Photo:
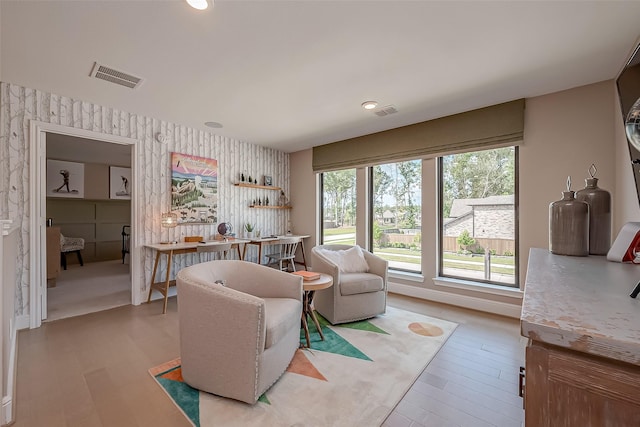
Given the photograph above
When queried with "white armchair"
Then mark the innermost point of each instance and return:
(357, 293)
(237, 337)
(70, 244)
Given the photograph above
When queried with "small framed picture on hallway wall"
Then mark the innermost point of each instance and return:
(119, 183)
(65, 179)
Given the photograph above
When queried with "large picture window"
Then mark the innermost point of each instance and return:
(397, 214)
(339, 207)
(478, 223)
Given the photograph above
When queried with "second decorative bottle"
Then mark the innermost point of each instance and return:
(599, 201)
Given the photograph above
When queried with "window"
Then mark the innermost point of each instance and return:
(397, 214)
(339, 207)
(478, 223)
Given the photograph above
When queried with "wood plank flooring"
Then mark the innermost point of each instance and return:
(92, 371)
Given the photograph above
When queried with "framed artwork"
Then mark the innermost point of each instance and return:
(119, 183)
(268, 181)
(194, 189)
(65, 179)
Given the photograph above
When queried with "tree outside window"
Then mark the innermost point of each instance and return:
(397, 214)
(339, 207)
(478, 234)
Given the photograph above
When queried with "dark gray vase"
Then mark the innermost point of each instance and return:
(569, 226)
(599, 201)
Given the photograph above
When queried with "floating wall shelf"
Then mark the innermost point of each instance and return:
(265, 187)
(269, 207)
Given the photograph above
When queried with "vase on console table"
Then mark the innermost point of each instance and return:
(569, 225)
(599, 201)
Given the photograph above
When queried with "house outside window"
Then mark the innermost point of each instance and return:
(397, 214)
(478, 231)
(339, 207)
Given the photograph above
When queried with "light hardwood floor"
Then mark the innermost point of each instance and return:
(92, 371)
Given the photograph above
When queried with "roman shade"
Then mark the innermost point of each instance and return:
(488, 127)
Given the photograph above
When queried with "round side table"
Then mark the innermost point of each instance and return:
(310, 287)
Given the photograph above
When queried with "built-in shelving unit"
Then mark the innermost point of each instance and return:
(264, 187)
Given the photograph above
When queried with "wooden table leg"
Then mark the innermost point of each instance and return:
(153, 275)
(305, 325)
(313, 314)
(166, 283)
(304, 256)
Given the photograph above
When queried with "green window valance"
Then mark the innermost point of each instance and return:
(488, 127)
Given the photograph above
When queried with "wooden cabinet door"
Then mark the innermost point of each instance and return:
(567, 388)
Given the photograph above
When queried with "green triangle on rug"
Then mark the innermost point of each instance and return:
(333, 342)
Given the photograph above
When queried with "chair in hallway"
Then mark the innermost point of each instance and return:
(126, 234)
(287, 253)
(70, 244)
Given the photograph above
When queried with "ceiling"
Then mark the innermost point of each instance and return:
(292, 74)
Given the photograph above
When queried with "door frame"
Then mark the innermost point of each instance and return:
(37, 212)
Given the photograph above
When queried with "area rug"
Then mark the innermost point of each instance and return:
(355, 377)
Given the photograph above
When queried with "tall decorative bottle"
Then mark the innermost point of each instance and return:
(599, 201)
(569, 225)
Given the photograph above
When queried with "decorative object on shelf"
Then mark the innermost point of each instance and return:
(249, 230)
(255, 181)
(266, 201)
(119, 183)
(283, 200)
(194, 189)
(250, 180)
(268, 181)
(225, 229)
(569, 225)
(242, 177)
(599, 201)
(65, 179)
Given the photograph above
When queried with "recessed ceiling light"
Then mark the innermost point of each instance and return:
(198, 4)
(213, 124)
(369, 105)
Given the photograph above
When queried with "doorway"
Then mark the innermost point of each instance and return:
(95, 277)
(103, 281)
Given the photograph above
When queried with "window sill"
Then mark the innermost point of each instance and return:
(486, 288)
(405, 275)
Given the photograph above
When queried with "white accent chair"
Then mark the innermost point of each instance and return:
(354, 295)
(237, 336)
(286, 253)
(70, 244)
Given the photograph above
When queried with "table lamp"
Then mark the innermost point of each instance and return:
(169, 220)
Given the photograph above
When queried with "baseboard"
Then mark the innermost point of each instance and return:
(22, 322)
(6, 417)
(474, 303)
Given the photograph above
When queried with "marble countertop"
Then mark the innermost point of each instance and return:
(583, 304)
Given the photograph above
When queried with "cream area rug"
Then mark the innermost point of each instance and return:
(355, 377)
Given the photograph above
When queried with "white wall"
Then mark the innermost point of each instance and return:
(564, 133)
(19, 105)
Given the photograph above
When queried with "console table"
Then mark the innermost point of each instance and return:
(171, 249)
(583, 357)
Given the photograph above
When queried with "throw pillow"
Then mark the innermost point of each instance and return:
(348, 261)
(353, 261)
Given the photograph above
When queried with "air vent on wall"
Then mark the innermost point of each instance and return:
(115, 76)
(385, 111)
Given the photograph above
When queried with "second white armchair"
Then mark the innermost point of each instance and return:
(359, 288)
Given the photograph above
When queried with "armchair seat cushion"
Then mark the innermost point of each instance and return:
(360, 283)
(280, 313)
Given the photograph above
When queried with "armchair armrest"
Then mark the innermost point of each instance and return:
(321, 264)
(377, 265)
